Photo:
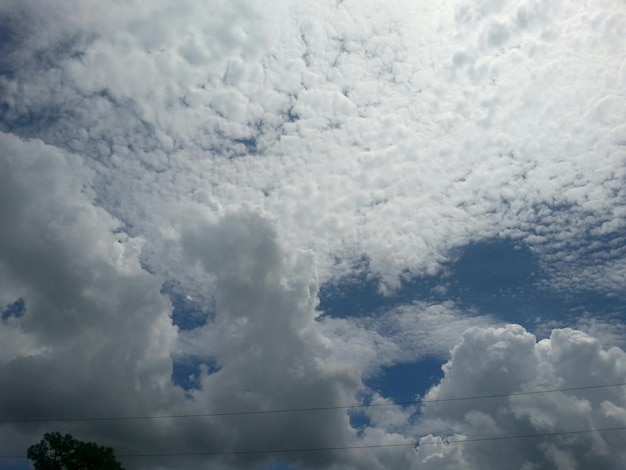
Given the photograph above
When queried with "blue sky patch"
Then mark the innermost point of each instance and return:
(403, 382)
(497, 277)
(186, 371)
(16, 309)
(360, 296)
(187, 313)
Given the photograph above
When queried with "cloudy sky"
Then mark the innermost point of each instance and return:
(226, 224)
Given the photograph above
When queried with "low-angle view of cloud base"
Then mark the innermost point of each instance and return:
(297, 235)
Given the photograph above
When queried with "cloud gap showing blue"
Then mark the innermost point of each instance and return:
(16, 310)
(186, 371)
(360, 296)
(498, 277)
(187, 312)
(404, 382)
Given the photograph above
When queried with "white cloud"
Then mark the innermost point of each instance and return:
(404, 145)
(508, 360)
(404, 334)
(95, 328)
(248, 155)
(101, 334)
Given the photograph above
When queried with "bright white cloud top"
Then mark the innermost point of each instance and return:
(214, 207)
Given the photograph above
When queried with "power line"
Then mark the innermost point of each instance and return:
(368, 446)
(293, 410)
(377, 446)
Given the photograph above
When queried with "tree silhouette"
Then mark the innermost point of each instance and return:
(58, 452)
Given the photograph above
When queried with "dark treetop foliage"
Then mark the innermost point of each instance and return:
(58, 452)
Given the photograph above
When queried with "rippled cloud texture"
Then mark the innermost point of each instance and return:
(199, 198)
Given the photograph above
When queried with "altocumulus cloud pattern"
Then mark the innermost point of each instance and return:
(211, 207)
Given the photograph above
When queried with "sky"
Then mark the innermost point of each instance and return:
(298, 235)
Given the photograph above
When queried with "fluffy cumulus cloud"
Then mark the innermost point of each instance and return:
(183, 183)
(509, 362)
(93, 327)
